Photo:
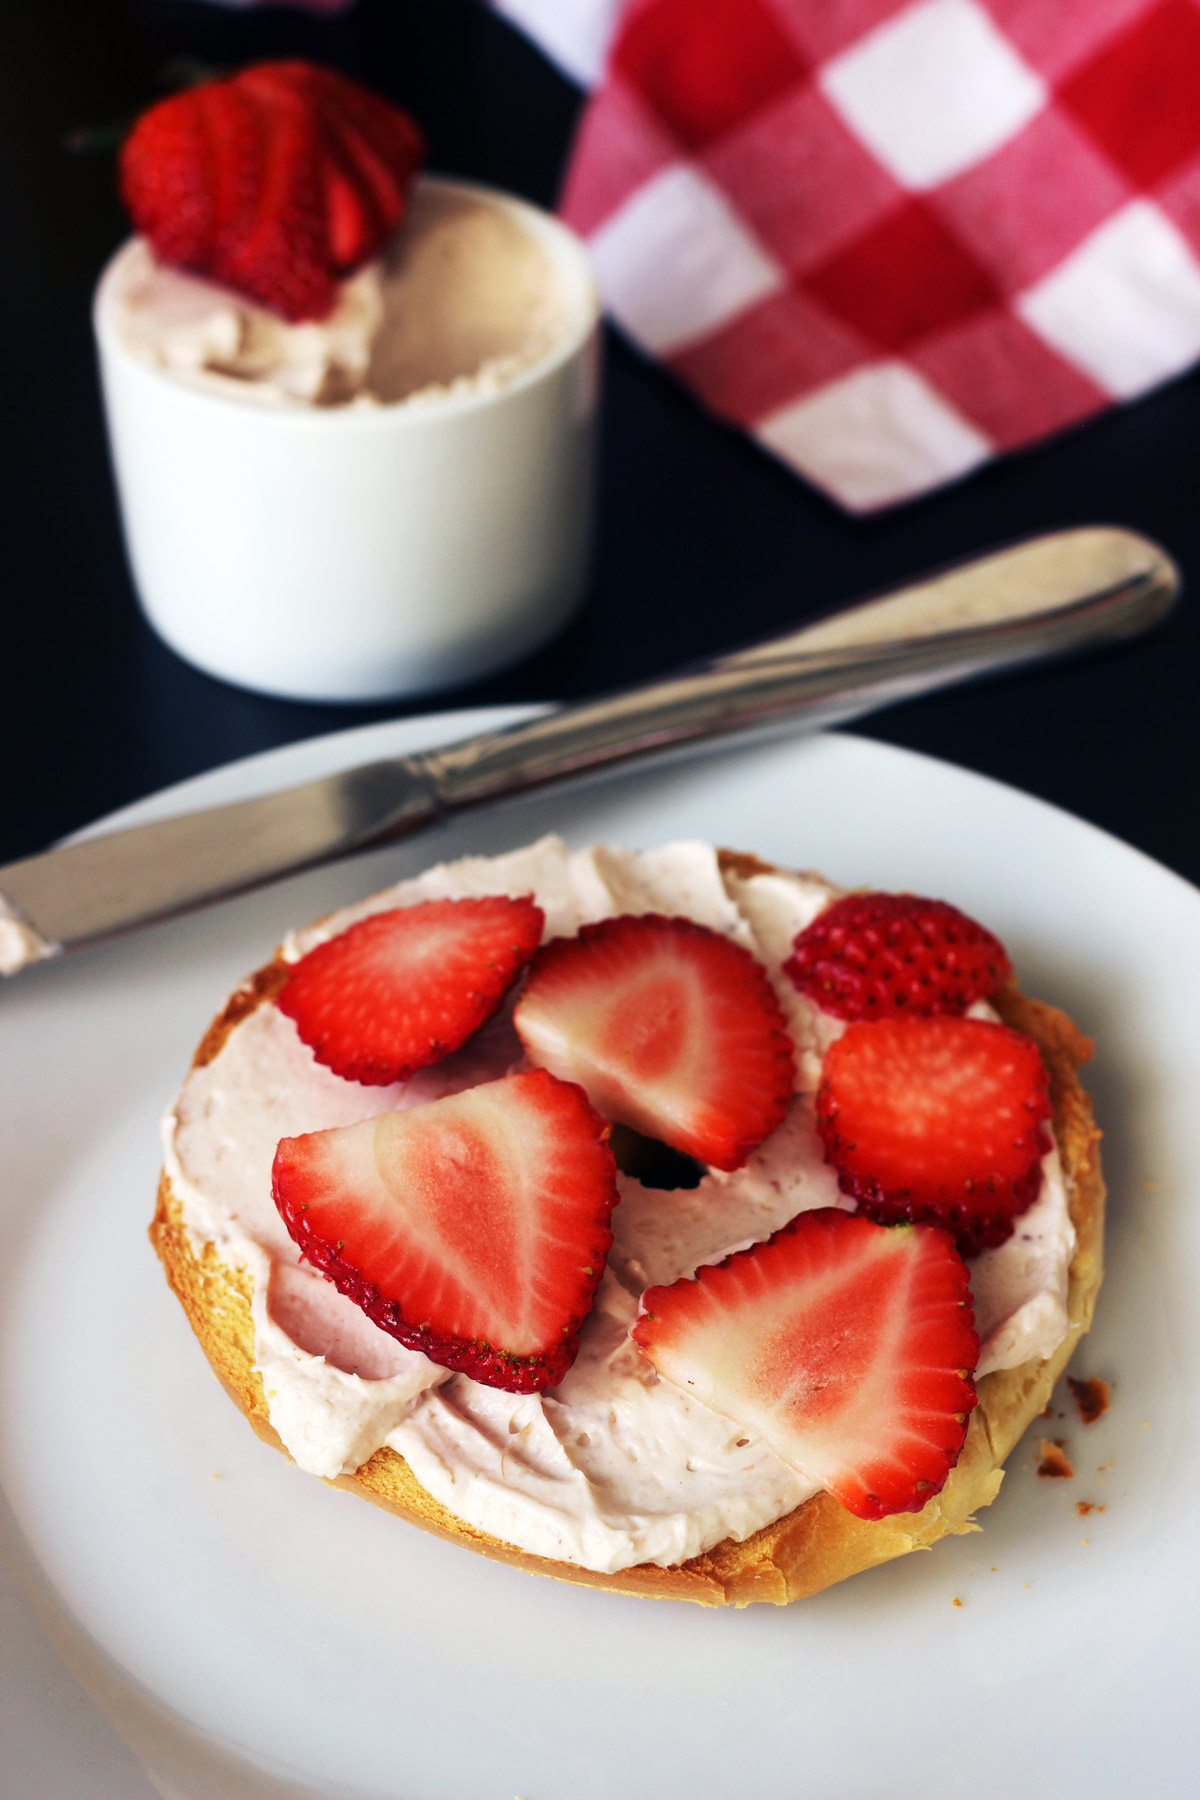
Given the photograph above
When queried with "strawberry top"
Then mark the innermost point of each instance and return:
(869, 956)
(279, 181)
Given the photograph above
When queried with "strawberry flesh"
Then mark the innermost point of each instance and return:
(869, 956)
(848, 1347)
(937, 1119)
(669, 1027)
(474, 1229)
(279, 181)
(399, 990)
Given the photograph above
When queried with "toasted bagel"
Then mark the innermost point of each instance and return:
(811, 1547)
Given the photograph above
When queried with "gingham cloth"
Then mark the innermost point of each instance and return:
(892, 238)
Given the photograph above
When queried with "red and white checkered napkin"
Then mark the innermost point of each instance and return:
(892, 237)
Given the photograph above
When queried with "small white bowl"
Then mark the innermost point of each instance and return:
(355, 554)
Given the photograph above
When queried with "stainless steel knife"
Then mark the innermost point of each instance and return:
(1040, 598)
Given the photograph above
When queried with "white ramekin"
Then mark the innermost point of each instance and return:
(360, 553)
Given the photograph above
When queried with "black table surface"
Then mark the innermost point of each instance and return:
(704, 541)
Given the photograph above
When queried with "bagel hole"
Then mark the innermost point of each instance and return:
(654, 1164)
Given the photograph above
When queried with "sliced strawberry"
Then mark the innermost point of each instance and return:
(402, 989)
(168, 181)
(848, 1347)
(351, 214)
(277, 182)
(373, 148)
(939, 1119)
(235, 146)
(283, 257)
(869, 956)
(373, 171)
(474, 1229)
(670, 1028)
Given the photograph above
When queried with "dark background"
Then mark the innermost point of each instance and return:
(704, 541)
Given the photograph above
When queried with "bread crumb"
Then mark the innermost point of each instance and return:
(1054, 1461)
(956, 1601)
(1091, 1397)
(1084, 1507)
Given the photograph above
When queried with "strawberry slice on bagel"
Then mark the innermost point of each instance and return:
(937, 1119)
(669, 1027)
(401, 989)
(474, 1229)
(848, 1346)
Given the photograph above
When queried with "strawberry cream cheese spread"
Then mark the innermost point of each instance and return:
(287, 255)
(613, 1466)
(462, 299)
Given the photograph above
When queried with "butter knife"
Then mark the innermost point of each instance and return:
(1039, 598)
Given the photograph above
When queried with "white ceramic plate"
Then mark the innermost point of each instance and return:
(212, 1585)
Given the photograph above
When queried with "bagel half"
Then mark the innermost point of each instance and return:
(818, 1543)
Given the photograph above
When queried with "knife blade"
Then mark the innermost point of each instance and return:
(1035, 599)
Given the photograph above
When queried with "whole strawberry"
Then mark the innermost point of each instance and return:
(869, 956)
(279, 181)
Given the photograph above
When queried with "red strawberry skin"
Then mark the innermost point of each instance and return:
(399, 990)
(869, 956)
(848, 1347)
(669, 1027)
(474, 1229)
(937, 1119)
(278, 182)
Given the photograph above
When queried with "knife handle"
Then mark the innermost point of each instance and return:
(1042, 597)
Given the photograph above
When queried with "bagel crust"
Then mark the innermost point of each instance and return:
(810, 1548)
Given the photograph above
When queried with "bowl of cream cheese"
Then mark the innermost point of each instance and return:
(391, 500)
